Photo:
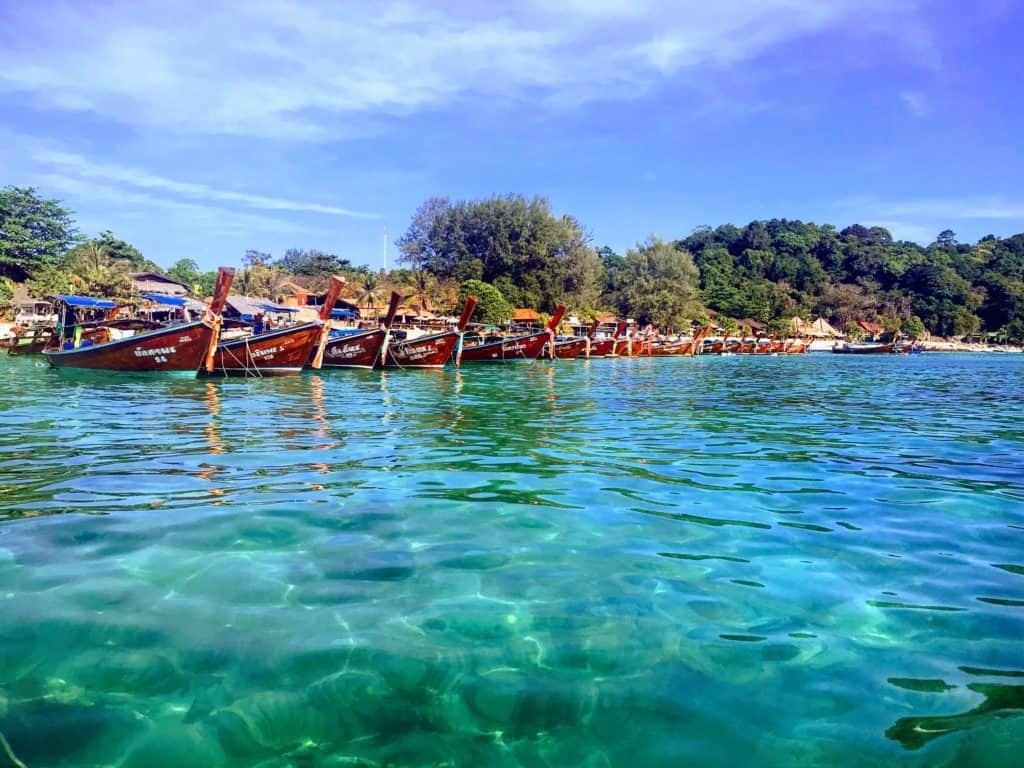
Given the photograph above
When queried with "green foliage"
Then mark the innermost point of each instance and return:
(119, 250)
(662, 285)
(34, 231)
(94, 273)
(6, 290)
(1014, 330)
(541, 260)
(187, 271)
(770, 269)
(491, 307)
(49, 280)
(913, 326)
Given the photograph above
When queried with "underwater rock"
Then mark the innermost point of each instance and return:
(173, 745)
(270, 721)
(362, 703)
(42, 733)
(139, 672)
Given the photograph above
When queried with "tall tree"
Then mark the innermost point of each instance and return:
(663, 285)
(34, 231)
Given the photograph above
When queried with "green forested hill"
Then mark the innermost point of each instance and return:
(771, 269)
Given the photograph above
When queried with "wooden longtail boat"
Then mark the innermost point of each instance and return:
(524, 348)
(360, 350)
(30, 341)
(605, 347)
(570, 349)
(862, 348)
(177, 348)
(283, 352)
(430, 351)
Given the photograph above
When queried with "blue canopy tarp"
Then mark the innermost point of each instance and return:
(341, 313)
(159, 298)
(85, 301)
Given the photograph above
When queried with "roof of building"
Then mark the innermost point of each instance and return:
(822, 327)
(870, 327)
(154, 276)
(525, 315)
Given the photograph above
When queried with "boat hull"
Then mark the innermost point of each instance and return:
(178, 349)
(30, 342)
(359, 350)
(671, 350)
(570, 350)
(602, 347)
(518, 349)
(425, 352)
(863, 349)
(278, 353)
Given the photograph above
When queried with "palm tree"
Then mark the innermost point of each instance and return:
(372, 288)
(93, 271)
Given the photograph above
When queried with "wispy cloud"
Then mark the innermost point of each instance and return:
(111, 174)
(920, 219)
(916, 102)
(904, 230)
(973, 208)
(285, 69)
(121, 203)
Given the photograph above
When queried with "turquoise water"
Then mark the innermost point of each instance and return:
(720, 561)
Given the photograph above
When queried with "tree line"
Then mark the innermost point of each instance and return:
(513, 251)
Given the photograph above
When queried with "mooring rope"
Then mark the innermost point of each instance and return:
(10, 752)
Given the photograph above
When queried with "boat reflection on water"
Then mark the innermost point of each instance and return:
(215, 443)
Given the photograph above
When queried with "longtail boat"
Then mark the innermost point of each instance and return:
(430, 351)
(627, 346)
(605, 346)
(749, 346)
(523, 348)
(362, 349)
(283, 352)
(862, 348)
(676, 348)
(176, 348)
(30, 341)
(570, 349)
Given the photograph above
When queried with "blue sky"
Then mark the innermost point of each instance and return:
(201, 129)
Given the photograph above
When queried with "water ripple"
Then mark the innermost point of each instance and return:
(612, 562)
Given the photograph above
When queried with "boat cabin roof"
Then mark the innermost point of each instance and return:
(84, 301)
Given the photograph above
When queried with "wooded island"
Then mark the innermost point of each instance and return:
(512, 251)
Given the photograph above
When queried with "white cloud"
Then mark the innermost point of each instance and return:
(967, 208)
(132, 177)
(916, 102)
(903, 230)
(920, 219)
(126, 204)
(284, 69)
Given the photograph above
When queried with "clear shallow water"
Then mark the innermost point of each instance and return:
(721, 561)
